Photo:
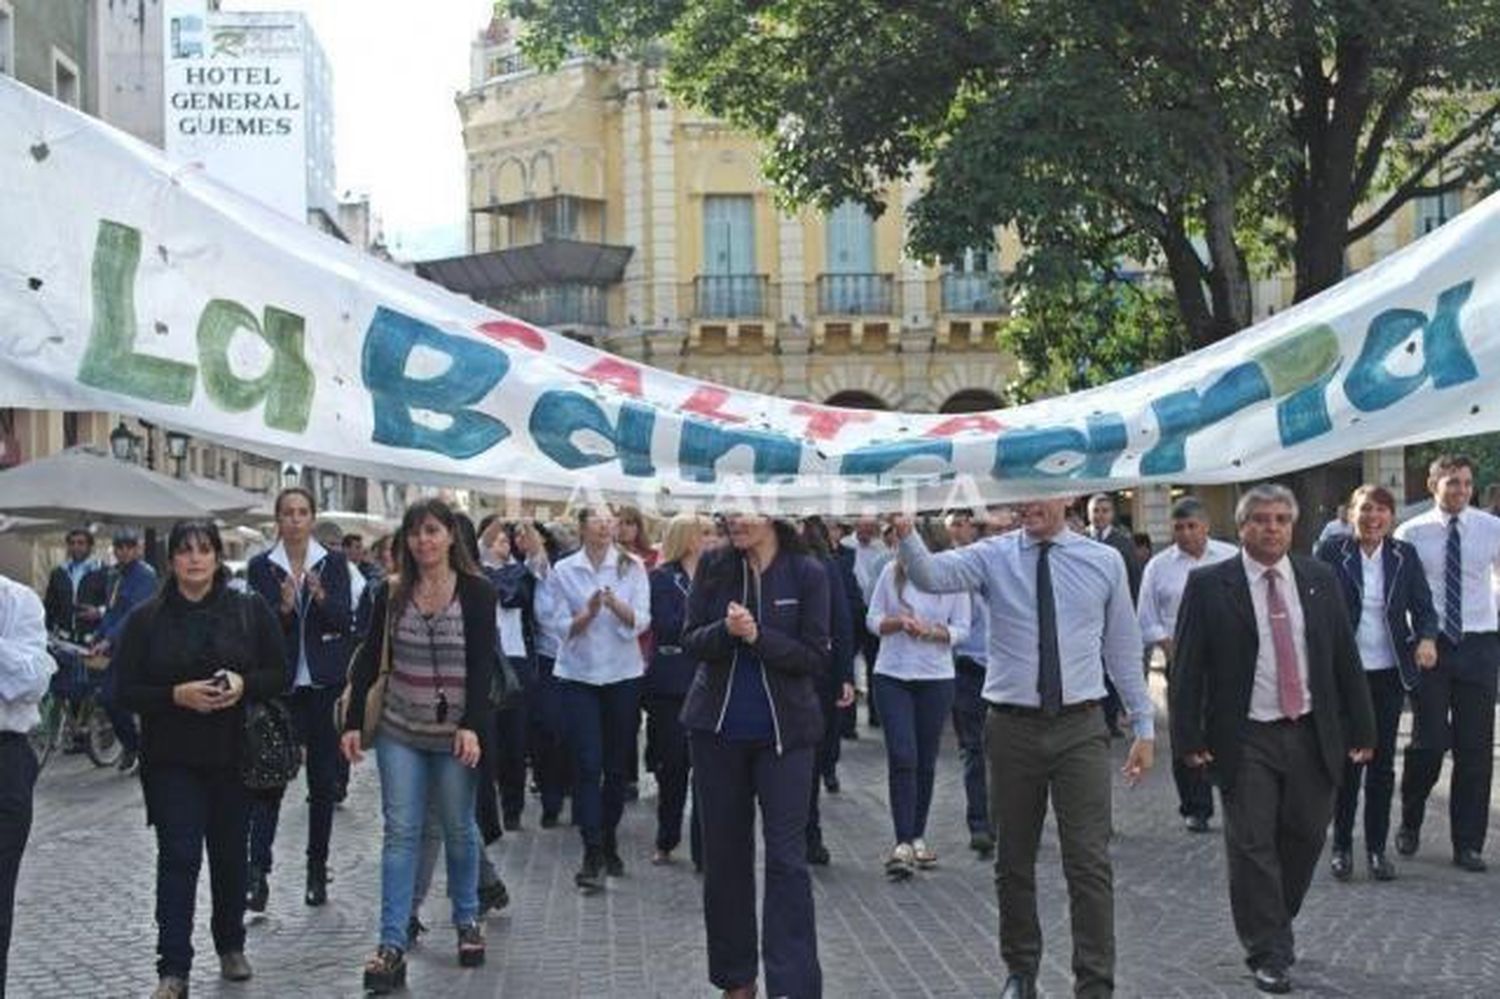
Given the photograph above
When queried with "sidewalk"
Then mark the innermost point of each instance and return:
(84, 924)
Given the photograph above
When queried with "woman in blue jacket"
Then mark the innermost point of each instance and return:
(669, 673)
(758, 625)
(313, 594)
(1395, 626)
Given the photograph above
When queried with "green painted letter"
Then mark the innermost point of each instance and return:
(110, 362)
(286, 385)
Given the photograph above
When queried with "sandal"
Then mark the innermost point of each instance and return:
(470, 946)
(386, 971)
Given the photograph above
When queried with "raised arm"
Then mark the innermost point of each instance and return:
(956, 571)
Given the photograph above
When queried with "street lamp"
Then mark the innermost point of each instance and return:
(121, 442)
(177, 449)
(291, 475)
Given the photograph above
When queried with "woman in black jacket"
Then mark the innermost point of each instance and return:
(188, 660)
(758, 623)
(438, 616)
(1395, 625)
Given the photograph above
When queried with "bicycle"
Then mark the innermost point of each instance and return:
(71, 710)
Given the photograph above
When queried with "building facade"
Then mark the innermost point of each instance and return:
(600, 208)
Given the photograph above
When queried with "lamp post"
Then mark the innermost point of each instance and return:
(149, 428)
(177, 450)
(122, 442)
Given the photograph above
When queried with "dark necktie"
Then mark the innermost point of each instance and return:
(1288, 676)
(1049, 659)
(1453, 586)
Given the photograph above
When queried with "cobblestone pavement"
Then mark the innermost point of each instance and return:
(84, 923)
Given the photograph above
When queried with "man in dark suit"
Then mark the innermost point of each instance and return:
(1103, 529)
(1270, 696)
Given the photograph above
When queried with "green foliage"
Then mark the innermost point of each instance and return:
(1482, 449)
(1208, 140)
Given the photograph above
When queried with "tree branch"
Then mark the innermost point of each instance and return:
(1413, 187)
(1413, 72)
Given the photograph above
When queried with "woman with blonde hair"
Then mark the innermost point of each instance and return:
(598, 602)
(669, 673)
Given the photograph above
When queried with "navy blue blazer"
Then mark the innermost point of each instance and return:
(670, 672)
(325, 628)
(1409, 611)
(841, 624)
(515, 589)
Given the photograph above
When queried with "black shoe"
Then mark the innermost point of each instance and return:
(1341, 863)
(317, 883)
(817, 854)
(1469, 860)
(340, 792)
(549, 820)
(982, 843)
(414, 931)
(613, 865)
(257, 891)
(386, 971)
(1407, 840)
(493, 897)
(1381, 868)
(874, 721)
(470, 946)
(1195, 823)
(852, 735)
(1274, 980)
(632, 791)
(513, 823)
(831, 784)
(1019, 987)
(130, 762)
(590, 876)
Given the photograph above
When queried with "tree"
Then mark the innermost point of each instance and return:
(1211, 139)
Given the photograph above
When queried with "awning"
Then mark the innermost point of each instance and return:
(557, 261)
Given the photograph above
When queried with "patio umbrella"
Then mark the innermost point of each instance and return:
(81, 484)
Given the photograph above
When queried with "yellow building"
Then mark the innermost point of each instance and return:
(600, 208)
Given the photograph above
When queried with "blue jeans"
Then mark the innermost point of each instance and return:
(602, 721)
(968, 724)
(407, 777)
(912, 713)
(729, 778)
(192, 809)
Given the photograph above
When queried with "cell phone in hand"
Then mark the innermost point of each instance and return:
(220, 679)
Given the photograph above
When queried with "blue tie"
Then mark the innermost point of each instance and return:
(1453, 586)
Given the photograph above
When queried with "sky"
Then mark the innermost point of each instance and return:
(396, 67)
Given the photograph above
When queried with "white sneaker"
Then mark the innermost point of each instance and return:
(923, 855)
(901, 863)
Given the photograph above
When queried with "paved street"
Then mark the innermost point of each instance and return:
(85, 927)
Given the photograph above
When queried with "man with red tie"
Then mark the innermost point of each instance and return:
(1269, 696)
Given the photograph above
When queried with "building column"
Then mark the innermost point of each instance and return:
(662, 172)
(792, 248)
(913, 276)
(1151, 511)
(1387, 467)
(633, 212)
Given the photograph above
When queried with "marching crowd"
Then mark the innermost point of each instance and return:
(481, 662)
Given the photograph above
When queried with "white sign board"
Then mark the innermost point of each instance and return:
(235, 102)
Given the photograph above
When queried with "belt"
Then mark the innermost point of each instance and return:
(1026, 711)
(1284, 722)
(669, 650)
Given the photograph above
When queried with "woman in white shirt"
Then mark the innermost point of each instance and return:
(598, 602)
(913, 694)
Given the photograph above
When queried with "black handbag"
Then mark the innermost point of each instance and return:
(270, 756)
(505, 686)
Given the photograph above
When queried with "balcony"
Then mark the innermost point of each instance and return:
(973, 294)
(856, 295)
(732, 296)
(562, 305)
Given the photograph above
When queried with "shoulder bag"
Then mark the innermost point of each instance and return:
(375, 695)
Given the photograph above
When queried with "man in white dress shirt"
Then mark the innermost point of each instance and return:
(1162, 584)
(1454, 706)
(25, 668)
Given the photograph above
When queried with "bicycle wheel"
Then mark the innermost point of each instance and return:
(47, 734)
(100, 741)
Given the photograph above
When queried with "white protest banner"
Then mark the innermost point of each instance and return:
(131, 284)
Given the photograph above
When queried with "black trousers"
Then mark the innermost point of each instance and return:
(1275, 819)
(18, 770)
(191, 809)
(312, 716)
(1195, 792)
(1454, 708)
(671, 766)
(730, 778)
(1378, 776)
